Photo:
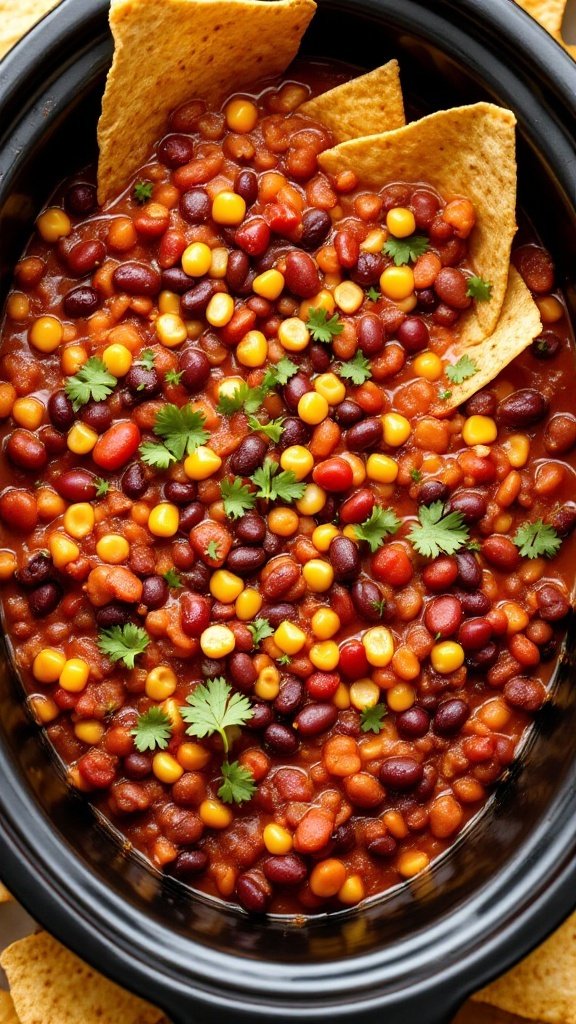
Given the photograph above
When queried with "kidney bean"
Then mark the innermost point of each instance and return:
(345, 559)
(193, 302)
(179, 493)
(424, 206)
(443, 615)
(347, 413)
(97, 415)
(26, 450)
(245, 561)
(60, 410)
(248, 456)
(315, 719)
(451, 286)
(133, 481)
(483, 403)
(81, 199)
(441, 573)
(279, 577)
(143, 383)
(294, 432)
(114, 448)
(536, 267)
(54, 441)
(347, 248)
(252, 894)
(237, 270)
(473, 602)
(500, 552)
(319, 357)
(432, 490)
(333, 474)
(253, 236)
(563, 518)
(366, 434)
(281, 739)
(472, 505)
(560, 434)
(553, 605)
(112, 614)
(297, 386)
(44, 599)
(195, 368)
(38, 570)
(246, 185)
(383, 846)
(301, 275)
(368, 269)
(189, 862)
(287, 869)
(272, 544)
(316, 224)
(525, 694)
(241, 668)
(18, 509)
(251, 528)
(370, 331)
(175, 280)
(475, 634)
(413, 723)
(363, 790)
(155, 592)
(194, 614)
(413, 334)
(401, 773)
(427, 300)
(522, 408)
(450, 716)
(137, 766)
(195, 206)
(392, 565)
(82, 301)
(262, 717)
(76, 485)
(290, 697)
(469, 571)
(546, 346)
(85, 256)
(137, 279)
(367, 600)
(175, 150)
(276, 613)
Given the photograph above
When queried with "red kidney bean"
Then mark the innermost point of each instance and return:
(81, 199)
(451, 286)
(55, 441)
(26, 450)
(245, 561)
(474, 634)
(195, 206)
(241, 668)
(137, 279)
(194, 613)
(134, 482)
(443, 615)
(262, 717)
(44, 599)
(316, 224)
(137, 766)
(175, 150)
(484, 658)
(287, 869)
(450, 716)
(413, 334)
(333, 474)
(253, 894)
(191, 515)
(444, 316)
(368, 269)
(294, 432)
(143, 383)
(117, 446)
(319, 357)
(155, 592)
(525, 694)
(272, 544)
(189, 862)
(536, 267)
(370, 331)
(344, 558)
(195, 369)
(384, 846)
(253, 236)
(424, 206)
(500, 552)
(472, 505)
(367, 600)
(193, 302)
(347, 413)
(248, 456)
(112, 614)
(546, 346)
(401, 773)
(290, 697)
(522, 408)
(563, 519)
(60, 410)
(366, 434)
(315, 719)
(237, 270)
(469, 571)
(38, 570)
(246, 185)
(281, 739)
(483, 403)
(97, 415)
(347, 248)
(560, 434)
(85, 256)
(277, 613)
(82, 301)
(76, 485)
(179, 493)
(251, 528)
(413, 723)
(297, 386)
(432, 490)
(553, 605)
(395, 195)
(18, 509)
(175, 280)
(440, 231)
(301, 275)
(473, 602)
(427, 300)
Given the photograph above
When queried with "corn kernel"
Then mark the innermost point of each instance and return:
(74, 675)
(169, 302)
(325, 623)
(447, 657)
(353, 890)
(166, 768)
(319, 575)
(90, 731)
(341, 698)
(72, 359)
(325, 655)
(348, 296)
(517, 617)
(293, 334)
(269, 284)
(171, 330)
(18, 306)
(312, 501)
(408, 304)
(358, 467)
(283, 522)
(117, 359)
(81, 438)
(241, 116)
(412, 862)
(428, 365)
(63, 550)
(277, 839)
(327, 877)
(28, 412)
(53, 224)
(397, 283)
(202, 463)
(289, 637)
(397, 429)
(364, 693)
(267, 685)
(46, 333)
(215, 814)
(228, 208)
(79, 520)
(381, 468)
(298, 459)
(313, 408)
(48, 664)
(400, 697)
(225, 586)
(164, 519)
(379, 646)
(400, 222)
(113, 548)
(331, 388)
(324, 535)
(479, 430)
(517, 448)
(550, 308)
(229, 386)
(160, 683)
(171, 707)
(196, 259)
(220, 310)
(192, 756)
(219, 264)
(252, 350)
(322, 300)
(217, 641)
(8, 564)
(248, 604)
(374, 241)
(43, 708)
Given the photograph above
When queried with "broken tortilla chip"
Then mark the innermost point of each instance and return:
(517, 327)
(7, 1011)
(466, 151)
(364, 106)
(49, 985)
(170, 52)
(5, 896)
(16, 18)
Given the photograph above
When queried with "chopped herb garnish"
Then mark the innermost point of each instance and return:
(272, 430)
(279, 374)
(357, 369)
(416, 475)
(146, 359)
(379, 606)
(373, 294)
(437, 533)
(260, 629)
(274, 484)
(123, 643)
(174, 377)
(372, 719)
(238, 498)
(173, 579)
(406, 250)
(156, 455)
(143, 191)
(479, 289)
(102, 487)
(284, 659)
(242, 398)
(181, 430)
(152, 731)
(211, 709)
(444, 394)
(92, 383)
(238, 785)
(321, 328)
(380, 524)
(537, 540)
(462, 370)
(213, 550)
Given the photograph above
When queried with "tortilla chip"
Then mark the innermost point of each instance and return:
(17, 17)
(367, 105)
(7, 1011)
(517, 327)
(5, 896)
(543, 986)
(176, 50)
(466, 151)
(49, 985)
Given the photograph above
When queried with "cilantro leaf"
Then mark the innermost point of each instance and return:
(152, 730)
(380, 524)
(238, 785)
(156, 455)
(123, 643)
(213, 550)
(372, 719)
(102, 487)
(238, 498)
(321, 328)
(437, 533)
(284, 659)
(462, 370)
(174, 377)
(92, 383)
(245, 398)
(260, 629)
(143, 191)
(416, 475)
(147, 359)
(173, 579)
(537, 539)
(279, 374)
(181, 429)
(272, 430)
(444, 394)
(212, 708)
(273, 484)
(479, 289)
(373, 294)
(357, 369)
(405, 250)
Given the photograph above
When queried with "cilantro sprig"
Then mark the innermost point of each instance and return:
(321, 327)
(274, 484)
(210, 710)
(462, 370)
(152, 730)
(237, 497)
(123, 643)
(381, 523)
(356, 370)
(146, 359)
(272, 430)
(102, 487)
(405, 250)
(438, 532)
(537, 540)
(92, 383)
(181, 430)
(260, 629)
(250, 400)
(173, 579)
(143, 191)
(372, 719)
(479, 289)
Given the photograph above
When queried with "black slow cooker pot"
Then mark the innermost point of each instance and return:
(416, 953)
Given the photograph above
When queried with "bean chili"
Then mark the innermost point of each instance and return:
(224, 487)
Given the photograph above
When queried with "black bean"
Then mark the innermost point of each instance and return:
(427, 300)
(60, 410)
(241, 668)
(401, 773)
(319, 357)
(370, 334)
(384, 846)
(553, 605)
(281, 739)
(473, 602)
(142, 382)
(425, 789)
(246, 561)
(137, 766)
(272, 544)
(483, 658)
(546, 346)
(154, 592)
(195, 206)
(114, 614)
(44, 599)
(483, 403)
(38, 570)
(316, 224)
(366, 434)
(343, 839)
(198, 577)
(249, 455)
(286, 869)
(134, 482)
(81, 301)
(450, 716)
(290, 697)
